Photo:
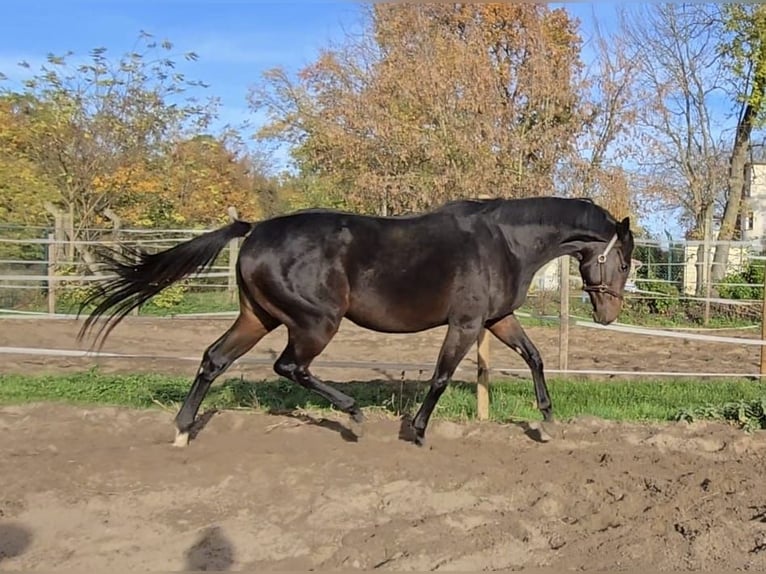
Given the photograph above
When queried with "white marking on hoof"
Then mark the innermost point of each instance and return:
(182, 439)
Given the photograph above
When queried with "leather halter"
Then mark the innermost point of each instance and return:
(603, 287)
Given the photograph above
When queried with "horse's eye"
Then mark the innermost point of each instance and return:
(624, 267)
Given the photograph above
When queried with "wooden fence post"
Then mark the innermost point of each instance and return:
(67, 232)
(482, 379)
(52, 257)
(233, 254)
(763, 327)
(564, 313)
(232, 279)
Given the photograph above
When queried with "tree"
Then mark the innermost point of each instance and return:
(203, 177)
(89, 129)
(680, 73)
(24, 189)
(434, 102)
(744, 50)
(594, 169)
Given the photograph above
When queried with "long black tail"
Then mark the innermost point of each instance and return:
(141, 275)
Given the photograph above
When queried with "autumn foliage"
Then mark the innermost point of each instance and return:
(431, 102)
(121, 134)
(435, 102)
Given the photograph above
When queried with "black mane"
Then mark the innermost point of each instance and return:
(578, 213)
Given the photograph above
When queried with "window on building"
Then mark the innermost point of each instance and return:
(749, 221)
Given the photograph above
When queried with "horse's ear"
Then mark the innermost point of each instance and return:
(623, 227)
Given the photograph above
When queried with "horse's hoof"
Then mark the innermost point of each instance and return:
(357, 424)
(357, 416)
(182, 439)
(542, 435)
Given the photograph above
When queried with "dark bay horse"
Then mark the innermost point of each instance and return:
(467, 265)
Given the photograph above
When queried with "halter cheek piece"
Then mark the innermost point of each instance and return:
(603, 287)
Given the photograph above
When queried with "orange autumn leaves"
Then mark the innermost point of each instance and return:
(129, 134)
(434, 102)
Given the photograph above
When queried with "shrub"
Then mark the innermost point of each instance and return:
(745, 284)
(70, 294)
(664, 299)
(748, 415)
(169, 297)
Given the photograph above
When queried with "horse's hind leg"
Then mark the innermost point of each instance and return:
(302, 347)
(456, 344)
(510, 332)
(246, 331)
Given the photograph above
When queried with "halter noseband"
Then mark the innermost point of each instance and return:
(603, 287)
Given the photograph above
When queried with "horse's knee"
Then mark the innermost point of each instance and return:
(212, 364)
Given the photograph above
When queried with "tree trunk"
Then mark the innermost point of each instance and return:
(739, 158)
(736, 185)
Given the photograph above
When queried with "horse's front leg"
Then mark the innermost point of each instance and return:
(510, 332)
(456, 344)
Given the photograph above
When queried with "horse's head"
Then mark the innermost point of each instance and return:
(604, 269)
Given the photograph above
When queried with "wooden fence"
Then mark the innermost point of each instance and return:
(61, 249)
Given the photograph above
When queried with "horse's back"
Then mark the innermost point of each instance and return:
(393, 274)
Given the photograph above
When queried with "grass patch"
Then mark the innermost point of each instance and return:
(741, 401)
(208, 301)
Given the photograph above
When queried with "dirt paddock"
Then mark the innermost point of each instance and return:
(102, 487)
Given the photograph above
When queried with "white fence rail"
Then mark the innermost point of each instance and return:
(49, 266)
(44, 263)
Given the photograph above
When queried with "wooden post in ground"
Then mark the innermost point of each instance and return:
(55, 239)
(67, 233)
(706, 271)
(232, 279)
(763, 327)
(233, 254)
(482, 379)
(116, 238)
(52, 257)
(564, 313)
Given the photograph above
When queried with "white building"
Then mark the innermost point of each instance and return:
(752, 226)
(753, 221)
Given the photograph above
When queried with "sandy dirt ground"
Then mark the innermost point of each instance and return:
(103, 488)
(359, 354)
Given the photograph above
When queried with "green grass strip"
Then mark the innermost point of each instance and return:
(645, 400)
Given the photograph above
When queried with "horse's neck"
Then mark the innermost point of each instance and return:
(550, 242)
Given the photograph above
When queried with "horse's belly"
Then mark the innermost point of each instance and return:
(396, 315)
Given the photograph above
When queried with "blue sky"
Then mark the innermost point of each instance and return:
(236, 40)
